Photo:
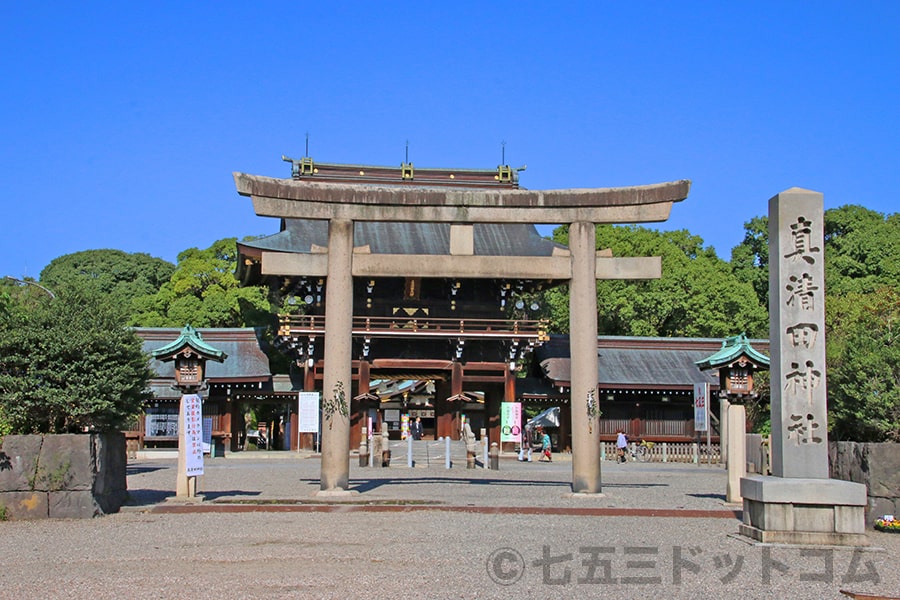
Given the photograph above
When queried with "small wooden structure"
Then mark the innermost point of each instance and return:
(737, 363)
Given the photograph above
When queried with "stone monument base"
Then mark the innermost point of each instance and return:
(826, 512)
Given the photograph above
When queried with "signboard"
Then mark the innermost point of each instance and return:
(207, 434)
(510, 421)
(308, 412)
(161, 424)
(701, 407)
(192, 417)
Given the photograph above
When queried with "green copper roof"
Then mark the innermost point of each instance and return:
(192, 338)
(732, 349)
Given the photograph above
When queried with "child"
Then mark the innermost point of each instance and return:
(545, 445)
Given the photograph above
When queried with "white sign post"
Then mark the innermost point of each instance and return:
(308, 414)
(190, 445)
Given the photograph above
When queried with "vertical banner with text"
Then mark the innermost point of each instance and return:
(701, 407)
(510, 421)
(192, 415)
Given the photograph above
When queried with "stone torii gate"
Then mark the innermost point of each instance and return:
(342, 204)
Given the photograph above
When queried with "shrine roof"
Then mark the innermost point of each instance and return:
(299, 235)
(732, 349)
(635, 361)
(245, 360)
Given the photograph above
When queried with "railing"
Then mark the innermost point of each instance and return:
(428, 327)
(662, 427)
(681, 452)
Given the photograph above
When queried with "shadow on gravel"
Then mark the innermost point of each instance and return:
(147, 497)
(711, 496)
(138, 469)
(366, 485)
(215, 495)
(151, 497)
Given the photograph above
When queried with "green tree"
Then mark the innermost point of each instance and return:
(862, 248)
(204, 292)
(863, 355)
(750, 258)
(69, 364)
(697, 296)
(113, 273)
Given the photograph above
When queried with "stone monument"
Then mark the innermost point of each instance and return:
(799, 504)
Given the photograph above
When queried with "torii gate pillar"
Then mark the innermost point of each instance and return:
(583, 351)
(337, 379)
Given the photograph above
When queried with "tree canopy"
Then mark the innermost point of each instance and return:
(697, 296)
(204, 292)
(863, 361)
(68, 364)
(113, 273)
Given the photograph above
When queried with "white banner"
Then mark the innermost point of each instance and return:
(701, 406)
(192, 418)
(308, 412)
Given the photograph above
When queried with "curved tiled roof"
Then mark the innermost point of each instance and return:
(245, 360)
(299, 235)
(636, 362)
(732, 349)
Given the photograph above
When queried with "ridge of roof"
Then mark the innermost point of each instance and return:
(189, 337)
(732, 349)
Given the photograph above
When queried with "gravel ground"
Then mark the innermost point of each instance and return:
(427, 553)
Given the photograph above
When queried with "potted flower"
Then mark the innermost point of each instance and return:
(888, 523)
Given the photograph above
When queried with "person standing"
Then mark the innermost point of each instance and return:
(621, 444)
(417, 429)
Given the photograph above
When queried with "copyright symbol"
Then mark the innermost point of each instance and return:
(505, 566)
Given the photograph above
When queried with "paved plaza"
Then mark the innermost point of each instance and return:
(658, 531)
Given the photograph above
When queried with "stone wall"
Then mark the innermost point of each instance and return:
(877, 466)
(62, 476)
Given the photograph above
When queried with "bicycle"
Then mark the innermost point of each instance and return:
(641, 452)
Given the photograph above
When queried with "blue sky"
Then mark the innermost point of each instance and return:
(122, 122)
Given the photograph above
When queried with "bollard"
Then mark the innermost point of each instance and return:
(363, 450)
(495, 457)
(484, 443)
(447, 463)
(385, 446)
(409, 449)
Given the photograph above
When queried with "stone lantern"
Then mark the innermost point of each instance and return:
(189, 353)
(737, 363)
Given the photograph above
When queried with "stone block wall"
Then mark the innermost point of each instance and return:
(877, 466)
(62, 476)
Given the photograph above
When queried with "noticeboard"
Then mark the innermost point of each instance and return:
(308, 412)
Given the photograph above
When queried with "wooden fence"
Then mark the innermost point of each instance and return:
(690, 452)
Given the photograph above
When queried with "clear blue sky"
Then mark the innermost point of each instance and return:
(122, 122)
